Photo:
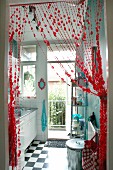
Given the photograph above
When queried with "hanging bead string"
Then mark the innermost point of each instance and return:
(99, 58)
(84, 69)
(103, 132)
(52, 67)
(87, 51)
(82, 31)
(12, 121)
(58, 18)
(101, 86)
(73, 30)
(43, 50)
(88, 25)
(11, 28)
(76, 41)
(60, 33)
(66, 23)
(57, 30)
(64, 27)
(80, 65)
(99, 61)
(21, 26)
(78, 24)
(44, 36)
(86, 43)
(55, 56)
(75, 36)
(80, 50)
(60, 45)
(16, 88)
(93, 62)
(103, 120)
(72, 23)
(103, 102)
(14, 92)
(68, 10)
(24, 24)
(65, 19)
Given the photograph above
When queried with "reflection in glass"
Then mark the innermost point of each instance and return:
(28, 53)
(29, 80)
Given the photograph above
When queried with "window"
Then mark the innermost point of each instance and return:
(62, 53)
(28, 53)
(29, 80)
(62, 61)
(28, 71)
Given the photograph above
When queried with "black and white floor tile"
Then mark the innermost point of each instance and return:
(39, 157)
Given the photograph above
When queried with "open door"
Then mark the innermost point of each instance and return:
(59, 95)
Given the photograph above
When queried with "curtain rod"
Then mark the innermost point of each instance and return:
(38, 3)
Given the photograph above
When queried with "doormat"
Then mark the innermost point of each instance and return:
(56, 143)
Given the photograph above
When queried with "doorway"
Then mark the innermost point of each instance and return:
(59, 95)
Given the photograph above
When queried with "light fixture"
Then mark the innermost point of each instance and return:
(32, 9)
(25, 8)
(37, 28)
(34, 20)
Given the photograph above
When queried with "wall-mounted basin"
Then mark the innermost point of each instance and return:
(21, 111)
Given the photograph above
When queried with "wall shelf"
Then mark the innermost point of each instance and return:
(79, 103)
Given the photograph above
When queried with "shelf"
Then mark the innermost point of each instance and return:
(80, 81)
(79, 100)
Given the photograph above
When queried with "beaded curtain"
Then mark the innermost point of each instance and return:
(67, 22)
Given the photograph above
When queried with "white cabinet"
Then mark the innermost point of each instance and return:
(20, 163)
(28, 131)
(29, 128)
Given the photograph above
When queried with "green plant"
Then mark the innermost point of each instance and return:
(57, 106)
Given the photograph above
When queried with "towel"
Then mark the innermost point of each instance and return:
(44, 117)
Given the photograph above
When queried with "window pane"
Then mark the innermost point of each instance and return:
(29, 88)
(28, 53)
(61, 55)
(61, 52)
(61, 68)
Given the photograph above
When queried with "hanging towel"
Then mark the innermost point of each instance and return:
(44, 117)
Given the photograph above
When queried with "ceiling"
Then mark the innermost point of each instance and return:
(28, 34)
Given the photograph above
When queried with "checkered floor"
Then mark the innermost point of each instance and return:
(38, 157)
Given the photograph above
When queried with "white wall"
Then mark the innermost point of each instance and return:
(109, 23)
(41, 72)
(42, 94)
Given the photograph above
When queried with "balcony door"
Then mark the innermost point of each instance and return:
(59, 94)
